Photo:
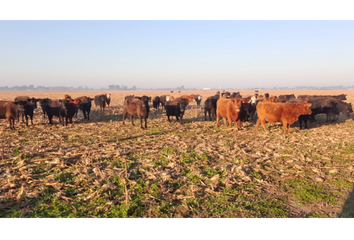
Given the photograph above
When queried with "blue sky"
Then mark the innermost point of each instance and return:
(159, 54)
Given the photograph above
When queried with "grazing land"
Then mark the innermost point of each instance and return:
(102, 168)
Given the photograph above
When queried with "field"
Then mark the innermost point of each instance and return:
(102, 168)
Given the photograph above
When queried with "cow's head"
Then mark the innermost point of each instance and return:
(20, 106)
(236, 102)
(306, 109)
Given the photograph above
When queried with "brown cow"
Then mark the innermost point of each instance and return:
(271, 99)
(286, 113)
(228, 108)
(136, 107)
(189, 99)
(9, 110)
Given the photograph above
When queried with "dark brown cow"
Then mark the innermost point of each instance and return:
(210, 106)
(164, 99)
(339, 97)
(156, 102)
(85, 105)
(101, 101)
(228, 108)
(136, 107)
(286, 98)
(9, 111)
(286, 113)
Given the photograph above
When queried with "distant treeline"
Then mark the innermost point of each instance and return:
(126, 88)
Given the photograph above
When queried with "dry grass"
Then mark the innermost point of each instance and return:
(174, 170)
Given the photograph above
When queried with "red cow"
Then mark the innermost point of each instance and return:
(228, 108)
(286, 113)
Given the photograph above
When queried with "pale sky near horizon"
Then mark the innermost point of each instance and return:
(161, 54)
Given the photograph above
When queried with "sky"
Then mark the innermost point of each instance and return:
(234, 54)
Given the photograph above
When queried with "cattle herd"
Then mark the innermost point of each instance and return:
(231, 107)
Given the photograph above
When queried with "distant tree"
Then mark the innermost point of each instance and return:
(134, 88)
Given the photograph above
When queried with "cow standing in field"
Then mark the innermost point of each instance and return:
(44, 105)
(9, 110)
(286, 113)
(198, 99)
(176, 108)
(57, 108)
(332, 107)
(136, 107)
(101, 101)
(228, 109)
(164, 99)
(156, 102)
(210, 106)
(85, 105)
(31, 104)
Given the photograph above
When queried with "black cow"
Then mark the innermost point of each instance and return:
(100, 100)
(44, 105)
(236, 95)
(225, 94)
(9, 110)
(198, 99)
(136, 107)
(85, 105)
(31, 104)
(57, 108)
(156, 102)
(329, 105)
(175, 108)
(210, 106)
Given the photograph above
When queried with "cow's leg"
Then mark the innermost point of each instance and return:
(31, 116)
(146, 122)
(124, 116)
(141, 121)
(205, 114)
(26, 119)
(217, 119)
(83, 111)
(131, 119)
(168, 117)
(88, 115)
(230, 121)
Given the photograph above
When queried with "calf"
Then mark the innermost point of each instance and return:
(176, 108)
(228, 108)
(31, 104)
(9, 110)
(136, 107)
(286, 113)
(85, 105)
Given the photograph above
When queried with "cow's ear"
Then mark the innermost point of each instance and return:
(16, 103)
(309, 104)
